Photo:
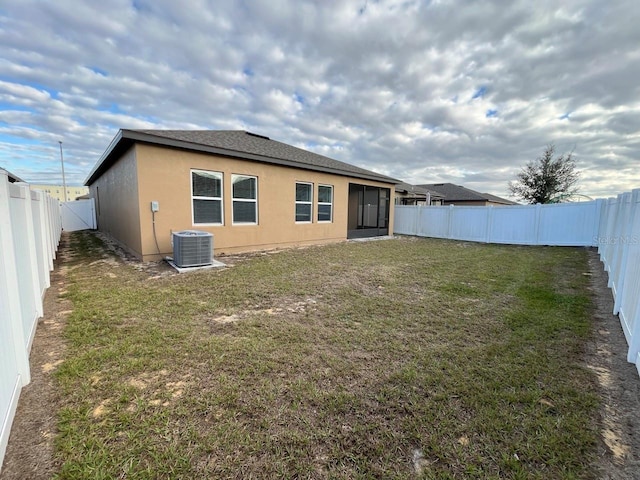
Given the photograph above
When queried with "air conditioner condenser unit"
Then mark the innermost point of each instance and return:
(192, 248)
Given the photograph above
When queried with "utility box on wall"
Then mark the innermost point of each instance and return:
(192, 248)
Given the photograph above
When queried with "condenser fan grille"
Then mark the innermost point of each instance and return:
(192, 248)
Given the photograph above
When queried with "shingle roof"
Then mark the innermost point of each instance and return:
(231, 143)
(458, 193)
(493, 198)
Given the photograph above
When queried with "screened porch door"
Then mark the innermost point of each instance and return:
(368, 211)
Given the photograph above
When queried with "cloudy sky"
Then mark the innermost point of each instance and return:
(455, 91)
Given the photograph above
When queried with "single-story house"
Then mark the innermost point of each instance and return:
(459, 195)
(407, 194)
(250, 192)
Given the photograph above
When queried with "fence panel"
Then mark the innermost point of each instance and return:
(434, 222)
(29, 235)
(404, 220)
(606, 248)
(619, 248)
(14, 368)
(515, 224)
(468, 224)
(26, 259)
(569, 224)
(561, 224)
(78, 215)
(422, 221)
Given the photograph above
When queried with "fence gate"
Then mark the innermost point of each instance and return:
(78, 215)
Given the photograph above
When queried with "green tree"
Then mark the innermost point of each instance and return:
(548, 179)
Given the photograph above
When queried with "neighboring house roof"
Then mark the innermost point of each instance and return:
(493, 198)
(231, 143)
(416, 190)
(458, 193)
(12, 178)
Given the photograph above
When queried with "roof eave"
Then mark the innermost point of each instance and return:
(136, 136)
(102, 165)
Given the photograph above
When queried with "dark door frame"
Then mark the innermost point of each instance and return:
(368, 211)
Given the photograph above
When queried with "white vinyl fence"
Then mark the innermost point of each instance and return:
(612, 225)
(78, 215)
(30, 230)
(567, 224)
(619, 249)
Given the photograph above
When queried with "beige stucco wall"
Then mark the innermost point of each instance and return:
(116, 198)
(165, 176)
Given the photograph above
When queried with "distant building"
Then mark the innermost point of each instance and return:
(462, 196)
(57, 191)
(407, 194)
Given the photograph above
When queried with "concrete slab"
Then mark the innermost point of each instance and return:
(214, 264)
(372, 239)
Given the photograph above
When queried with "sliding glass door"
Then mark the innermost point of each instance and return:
(368, 211)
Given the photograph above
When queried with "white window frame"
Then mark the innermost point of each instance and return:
(197, 197)
(310, 202)
(247, 200)
(325, 203)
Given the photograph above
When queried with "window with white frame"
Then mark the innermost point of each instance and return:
(304, 201)
(325, 203)
(245, 199)
(206, 196)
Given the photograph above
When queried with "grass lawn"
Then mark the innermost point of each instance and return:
(406, 358)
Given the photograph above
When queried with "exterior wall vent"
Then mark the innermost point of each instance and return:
(192, 248)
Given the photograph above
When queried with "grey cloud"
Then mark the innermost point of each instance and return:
(388, 87)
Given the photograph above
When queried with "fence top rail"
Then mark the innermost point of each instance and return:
(589, 203)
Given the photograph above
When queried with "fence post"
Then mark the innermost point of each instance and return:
(449, 221)
(11, 312)
(632, 304)
(44, 212)
(607, 248)
(623, 246)
(42, 241)
(57, 217)
(596, 222)
(602, 227)
(49, 223)
(619, 248)
(537, 223)
(489, 224)
(33, 256)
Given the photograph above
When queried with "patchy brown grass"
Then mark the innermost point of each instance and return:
(395, 359)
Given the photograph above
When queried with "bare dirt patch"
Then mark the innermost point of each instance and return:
(30, 453)
(619, 457)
